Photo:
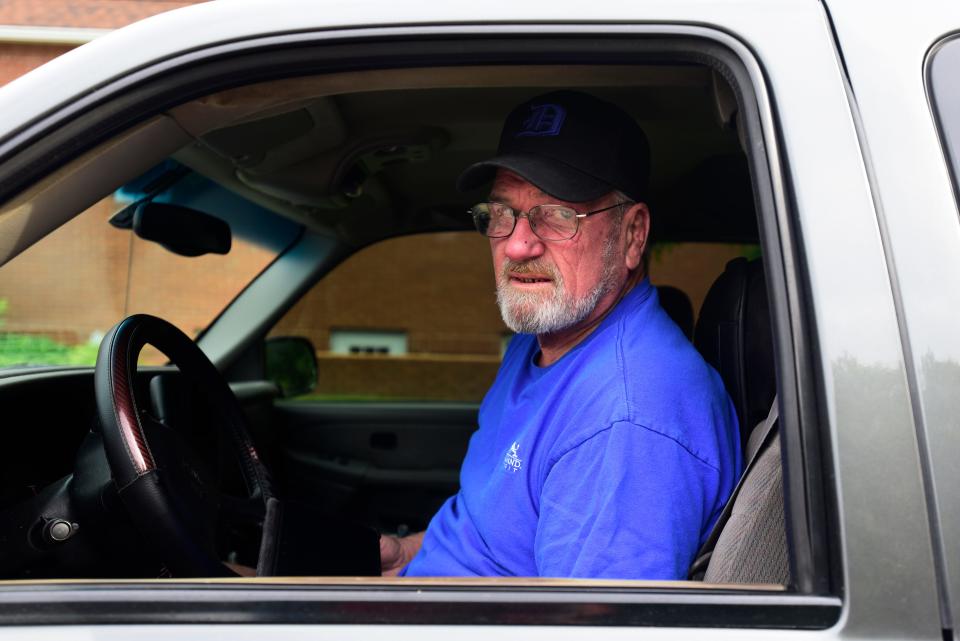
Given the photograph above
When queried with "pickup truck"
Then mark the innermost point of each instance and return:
(276, 179)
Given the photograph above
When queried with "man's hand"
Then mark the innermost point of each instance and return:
(396, 552)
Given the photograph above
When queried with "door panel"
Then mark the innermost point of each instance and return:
(390, 465)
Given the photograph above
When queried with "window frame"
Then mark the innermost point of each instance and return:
(948, 133)
(935, 433)
(123, 103)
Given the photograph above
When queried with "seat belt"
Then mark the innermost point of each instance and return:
(759, 438)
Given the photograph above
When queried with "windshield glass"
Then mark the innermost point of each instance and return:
(59, 297)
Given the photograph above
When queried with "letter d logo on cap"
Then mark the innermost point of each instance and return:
(544, 120)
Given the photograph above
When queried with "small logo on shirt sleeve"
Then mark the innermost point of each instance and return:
(511, 461)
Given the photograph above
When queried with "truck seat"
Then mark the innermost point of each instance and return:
(733, 333)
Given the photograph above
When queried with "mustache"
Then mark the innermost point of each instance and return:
(530, 267)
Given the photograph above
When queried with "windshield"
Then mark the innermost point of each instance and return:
(59, 297)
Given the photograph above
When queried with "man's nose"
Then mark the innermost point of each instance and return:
(523, 244)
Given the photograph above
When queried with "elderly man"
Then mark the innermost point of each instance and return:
(607, 446)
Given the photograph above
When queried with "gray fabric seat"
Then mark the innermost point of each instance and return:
(752, 547)
(733, 333)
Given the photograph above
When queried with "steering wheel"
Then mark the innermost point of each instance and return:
(169, 491)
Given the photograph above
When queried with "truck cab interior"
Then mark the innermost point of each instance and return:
(351, 345)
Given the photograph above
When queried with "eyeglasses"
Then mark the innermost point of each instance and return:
(548, 222)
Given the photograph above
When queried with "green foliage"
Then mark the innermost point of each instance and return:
(28, 349)
(24, 349)
(751, 252)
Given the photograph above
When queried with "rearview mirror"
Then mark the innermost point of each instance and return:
(181, 230)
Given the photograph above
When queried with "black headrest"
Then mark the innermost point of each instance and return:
(678, 307)
(733, 334)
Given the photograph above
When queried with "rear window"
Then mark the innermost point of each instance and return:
(381, 334)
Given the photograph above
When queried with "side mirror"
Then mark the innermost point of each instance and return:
(291, 363)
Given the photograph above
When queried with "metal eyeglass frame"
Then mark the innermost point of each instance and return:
(532, 212)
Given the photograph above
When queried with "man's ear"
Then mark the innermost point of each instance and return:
(636, 223)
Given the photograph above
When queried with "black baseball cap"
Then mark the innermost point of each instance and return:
(571, 145)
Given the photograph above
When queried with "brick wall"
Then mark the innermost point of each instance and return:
(17, 59)
(99, 14)
(85, 276)
(438, 288)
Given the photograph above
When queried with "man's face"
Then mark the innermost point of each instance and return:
(548, 286)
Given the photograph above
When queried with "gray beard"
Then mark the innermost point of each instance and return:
(537, 313)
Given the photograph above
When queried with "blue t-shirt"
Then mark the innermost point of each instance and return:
(613, 462)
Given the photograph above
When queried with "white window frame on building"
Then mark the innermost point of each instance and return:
(354, 342)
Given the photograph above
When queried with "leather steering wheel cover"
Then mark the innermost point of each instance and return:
(127, 449)
(139, 476)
